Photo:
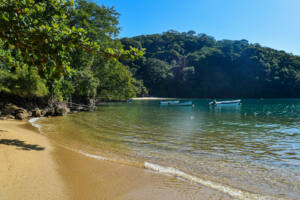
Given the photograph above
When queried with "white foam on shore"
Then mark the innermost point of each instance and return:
(92, 155)
(243, 195)
(32, 121)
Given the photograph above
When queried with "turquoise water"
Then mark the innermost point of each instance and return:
(253, 148)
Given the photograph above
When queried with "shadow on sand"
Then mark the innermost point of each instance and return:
(21, 145)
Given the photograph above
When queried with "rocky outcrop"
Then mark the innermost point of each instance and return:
(20, 109)
(49, 111)
(37, 113)
(62, 110)
(11, 111)
(22, 115)
(44, 112)
(7, 117)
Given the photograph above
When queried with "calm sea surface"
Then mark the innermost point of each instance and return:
(252, 149)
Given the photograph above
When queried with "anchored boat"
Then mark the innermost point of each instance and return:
(176, 103)
(229, 103)
(168, 102)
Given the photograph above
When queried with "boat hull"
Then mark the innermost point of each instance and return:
(188, 103)
(226, 103)
(168, 102)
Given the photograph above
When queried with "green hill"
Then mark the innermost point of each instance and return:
(198, 66)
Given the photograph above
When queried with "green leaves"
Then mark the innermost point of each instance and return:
(41, 30)
(44, 36)
(114, 81)
(200, 66)
(24, 82)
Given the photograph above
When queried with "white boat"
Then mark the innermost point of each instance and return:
(176, 103)
(168, 102)
(229, 103)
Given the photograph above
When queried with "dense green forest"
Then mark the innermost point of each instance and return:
(59, 50)
(198, 66)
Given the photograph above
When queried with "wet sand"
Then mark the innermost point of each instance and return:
(38, 169)
(89, 178)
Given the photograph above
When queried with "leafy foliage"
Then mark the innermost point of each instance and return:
(85, 84)
(58, 48)
(100, 22)
(23, 82)
(40, 34)
(103, 77)
(116, 82)
(189, 65)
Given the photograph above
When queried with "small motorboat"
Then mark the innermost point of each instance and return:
(168, 102)
(176, 103)
(229, 103)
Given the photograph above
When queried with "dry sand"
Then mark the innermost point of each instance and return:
(31, 167)
(27, 170)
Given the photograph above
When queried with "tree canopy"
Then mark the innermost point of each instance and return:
(59, 48)
(66, 49)
(39, 33)
(196, 65)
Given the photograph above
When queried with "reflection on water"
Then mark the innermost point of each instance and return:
(254, 146)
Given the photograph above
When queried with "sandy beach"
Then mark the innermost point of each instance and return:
(27, 169)
(32, 167)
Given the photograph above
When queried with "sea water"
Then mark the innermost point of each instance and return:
(249, 151)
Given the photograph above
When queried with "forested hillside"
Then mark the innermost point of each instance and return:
(196, 65)
(53, 51)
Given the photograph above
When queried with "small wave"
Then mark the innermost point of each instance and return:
(32, 121)
(91, 155)
(182, 175)
(110, 159)
(217, 186)
(171, 171)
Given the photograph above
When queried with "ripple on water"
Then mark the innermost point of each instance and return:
(257, 154)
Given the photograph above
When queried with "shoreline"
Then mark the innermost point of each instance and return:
(46, 171)
(25, 158)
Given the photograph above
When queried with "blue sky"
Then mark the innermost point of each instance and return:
(272, 23)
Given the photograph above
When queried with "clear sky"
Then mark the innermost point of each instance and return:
(272, 23)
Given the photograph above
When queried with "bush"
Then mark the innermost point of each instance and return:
(23, 82)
